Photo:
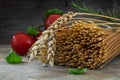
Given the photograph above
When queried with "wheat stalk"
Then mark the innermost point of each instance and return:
(47, 39)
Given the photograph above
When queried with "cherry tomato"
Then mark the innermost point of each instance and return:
(50, 19)
(21, 43)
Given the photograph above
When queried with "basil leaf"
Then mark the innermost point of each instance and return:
(33, 31)
(13, 58)
(53, 11)
(77, 71)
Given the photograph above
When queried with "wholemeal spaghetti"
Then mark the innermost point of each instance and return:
(76, 41)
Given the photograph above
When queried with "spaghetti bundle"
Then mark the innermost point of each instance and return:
(78, 42)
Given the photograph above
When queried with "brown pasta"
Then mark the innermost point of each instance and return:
(78, 42)
(82, 45)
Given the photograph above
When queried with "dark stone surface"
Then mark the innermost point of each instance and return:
(17, 15)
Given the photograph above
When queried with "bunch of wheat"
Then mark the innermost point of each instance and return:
(79, 40)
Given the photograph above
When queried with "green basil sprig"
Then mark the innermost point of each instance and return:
(31, 30)
(13, 58)
(77, 71)
(53, 11)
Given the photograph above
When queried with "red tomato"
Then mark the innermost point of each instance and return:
(21, 42)
(50, 19)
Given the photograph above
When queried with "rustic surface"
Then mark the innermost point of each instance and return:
(35, 71)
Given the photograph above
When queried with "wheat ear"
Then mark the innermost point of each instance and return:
(47, 39)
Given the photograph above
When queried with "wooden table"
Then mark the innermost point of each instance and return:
(35, 71)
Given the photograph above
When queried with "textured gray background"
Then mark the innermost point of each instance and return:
(17, 15)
